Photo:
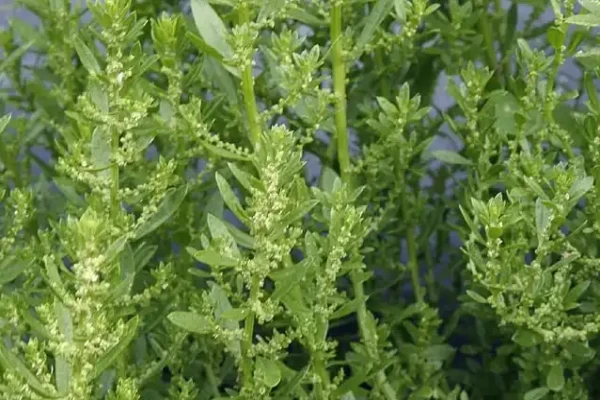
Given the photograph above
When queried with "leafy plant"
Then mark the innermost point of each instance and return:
(248, 199)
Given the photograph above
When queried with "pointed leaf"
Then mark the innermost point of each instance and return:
(12, 363)
(211, 257)
(381, 9)
(451, 157)
(231, 199)
(112, 354)
(165, 210)
(190, 321)
(86, 56)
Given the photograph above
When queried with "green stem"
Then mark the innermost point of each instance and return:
(413, 264)
(248, 88)
(485, 27)
(339, 90)
(249, 334)
(114, 171)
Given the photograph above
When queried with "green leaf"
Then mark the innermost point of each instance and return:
(211, 51)
(109, 358)
(166, 209)
(575, 293)
(542, 217)
(190, 321)
(63, 368)
(381, 9)
(555, 380)
(525, 338)
(328, 177)
(115, 249)
(212, 30)
(231, 199)
(289, 279)
(12, 363)
(451, 157)
(101, 151)
(86, 56)
(593, 6)
(591, 91)
(245, 179)
(235, 314)
(512, 18)
(285, 392)
(439, 352)
(4, 122)
(588, 20)
(218, 229)
(10, 269)
(348, 307)
(536, 394)
(477, 297)
(400, 8)
(580, 187)
(212, 258)
(269, 371)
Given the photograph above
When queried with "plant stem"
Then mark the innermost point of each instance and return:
(114, 189)
(413, 264)
(249, 334)
(339, 90)
(248, 88)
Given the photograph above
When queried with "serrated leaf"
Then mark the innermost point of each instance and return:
(167, 207)
(381, 9)
(536, 394)
(190, 321)
(108, 359)
(86, 56)
(555, 380)
(451, 157)
(269, 371)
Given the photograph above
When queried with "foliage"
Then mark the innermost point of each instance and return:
(247, 199)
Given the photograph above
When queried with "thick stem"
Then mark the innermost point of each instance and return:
(339, 90)
(248, 88)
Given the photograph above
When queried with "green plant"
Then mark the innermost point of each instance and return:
(243, 199)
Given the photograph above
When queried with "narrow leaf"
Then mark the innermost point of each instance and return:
(381, 9)
(231, 199)
(536, 394)
(165, 210)
(86, 56)
(112, 354)
(451, 157)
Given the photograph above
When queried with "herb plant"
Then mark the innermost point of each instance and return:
(263, 199)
